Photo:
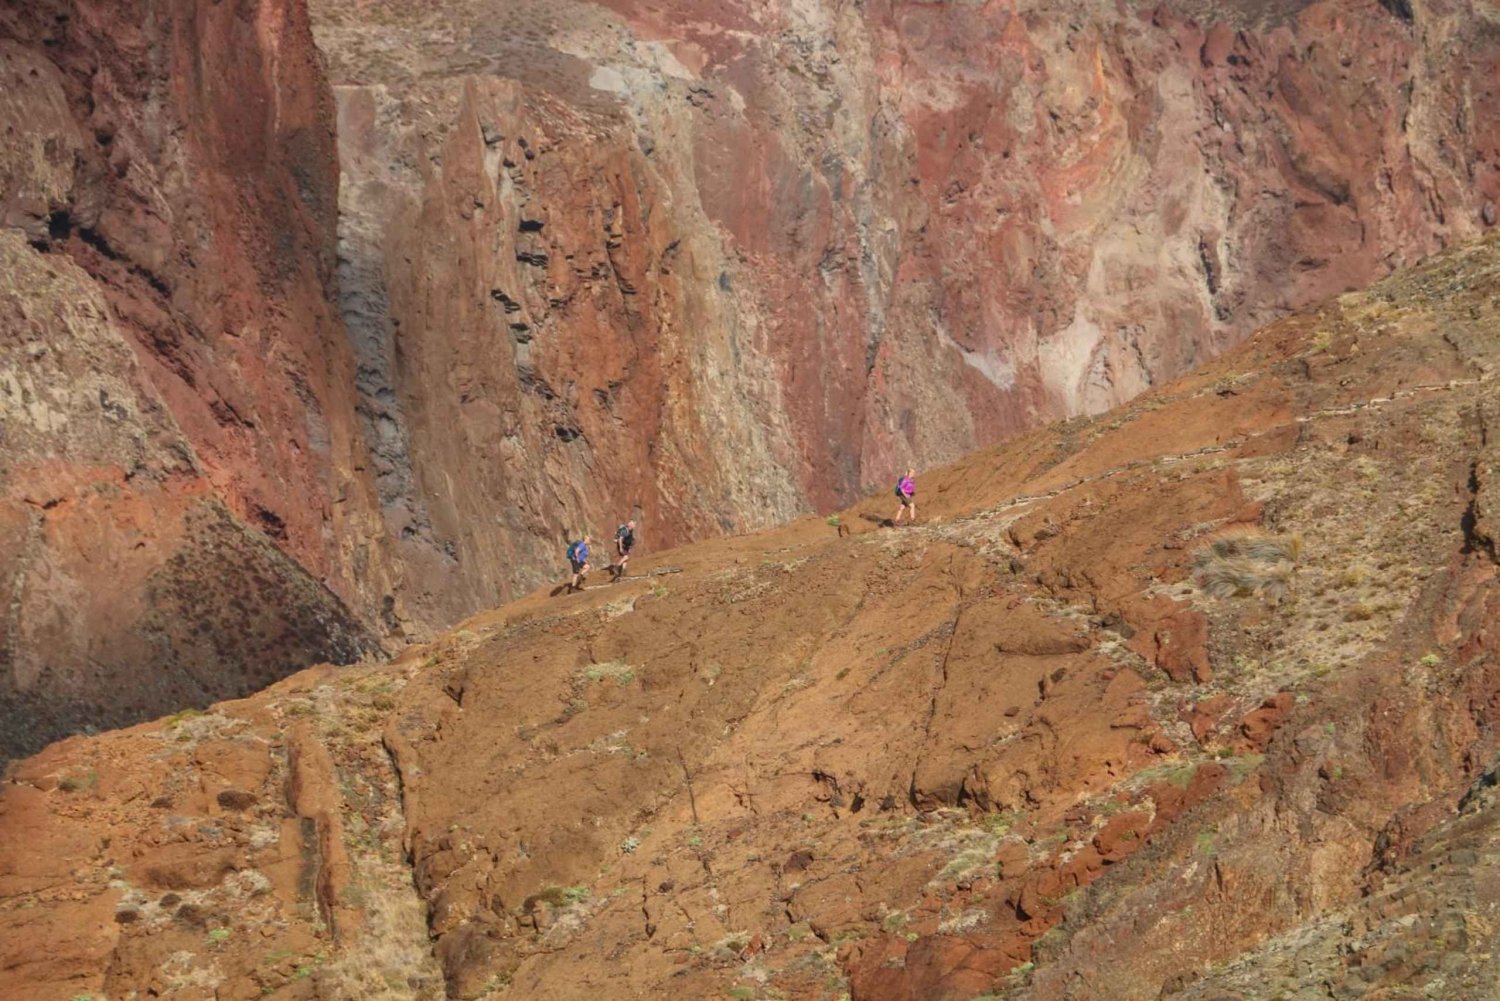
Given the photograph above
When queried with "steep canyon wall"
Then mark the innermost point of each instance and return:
(184, 513)
(302, 352)
(715, 263)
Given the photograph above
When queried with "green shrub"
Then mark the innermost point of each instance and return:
(730, 946)
(564, 896)
(622, 673)
(1207, 842)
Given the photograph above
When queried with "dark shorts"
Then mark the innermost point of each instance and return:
(907, 501)
(626, 547)
(578, 565)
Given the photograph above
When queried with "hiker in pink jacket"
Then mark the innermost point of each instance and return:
(906, 492)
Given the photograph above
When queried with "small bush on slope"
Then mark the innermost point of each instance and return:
(1247, 563)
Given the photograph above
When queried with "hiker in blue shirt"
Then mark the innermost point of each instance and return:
(906, 492)
(624, 542)
(578, 557)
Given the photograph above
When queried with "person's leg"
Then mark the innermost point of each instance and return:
(914, 510)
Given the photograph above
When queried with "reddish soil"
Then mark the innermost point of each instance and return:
(1194, 699)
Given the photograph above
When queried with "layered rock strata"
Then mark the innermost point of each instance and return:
(531, 268)
(716, 262)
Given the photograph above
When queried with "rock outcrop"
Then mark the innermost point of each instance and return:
(1196, 699)
(184, 513)
(529, 267)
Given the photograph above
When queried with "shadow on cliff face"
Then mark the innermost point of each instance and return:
(225, 614)
(183, 510)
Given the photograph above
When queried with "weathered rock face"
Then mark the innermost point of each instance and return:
(531, 361)
(183, 514)
(714, 262)
(1128, 714)
(709, 264)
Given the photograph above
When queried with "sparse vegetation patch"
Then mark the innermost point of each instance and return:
(619, 672)
(1244, 564)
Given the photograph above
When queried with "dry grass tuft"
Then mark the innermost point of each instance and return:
(1240, 577)
(1257, 546)
(392, 952)
(1243, 564)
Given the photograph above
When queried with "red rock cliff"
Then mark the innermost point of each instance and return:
(717, 262)
(184, 511)
(707, 263)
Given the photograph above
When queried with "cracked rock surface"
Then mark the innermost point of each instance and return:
(385, 299)
(1196, 698)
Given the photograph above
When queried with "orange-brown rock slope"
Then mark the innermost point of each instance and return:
(323, 322)
(1196, 699)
